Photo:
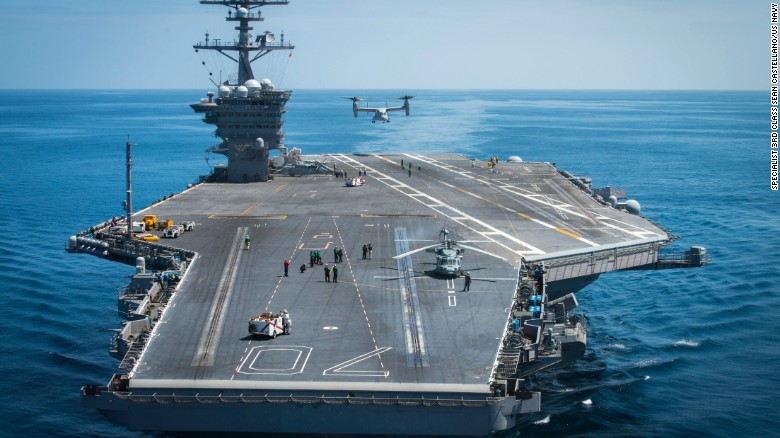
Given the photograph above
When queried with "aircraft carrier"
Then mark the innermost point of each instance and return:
(398, 344)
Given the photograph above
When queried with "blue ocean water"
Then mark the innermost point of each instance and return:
(671, 353)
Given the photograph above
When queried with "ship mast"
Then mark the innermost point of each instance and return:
(129, 200)
(242, 13)
(247, 112)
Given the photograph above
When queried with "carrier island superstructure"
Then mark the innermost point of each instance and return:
(398, 344)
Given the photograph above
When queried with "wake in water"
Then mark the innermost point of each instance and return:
(545, 420)
(655, 362)
(687, 343)
(72, 361)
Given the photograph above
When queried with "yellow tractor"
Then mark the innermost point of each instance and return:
(162, 224)
(150, 221)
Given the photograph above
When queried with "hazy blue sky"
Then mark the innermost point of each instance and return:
(401, 44)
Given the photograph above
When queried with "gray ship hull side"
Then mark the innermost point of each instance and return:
(311, 416)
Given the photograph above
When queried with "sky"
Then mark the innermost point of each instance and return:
(395, 44)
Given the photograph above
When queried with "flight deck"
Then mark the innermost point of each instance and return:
(399, 334)
(388, 323)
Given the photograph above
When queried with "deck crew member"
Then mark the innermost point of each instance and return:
(286, 267)
(335, 274)
(467, 284)
(327, 273)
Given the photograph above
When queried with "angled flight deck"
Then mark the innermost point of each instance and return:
(387, 322)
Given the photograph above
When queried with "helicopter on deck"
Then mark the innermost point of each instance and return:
(449, 254)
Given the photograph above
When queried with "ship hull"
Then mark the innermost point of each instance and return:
(308, 416)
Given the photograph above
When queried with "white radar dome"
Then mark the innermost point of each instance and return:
(242, 12)
(632, 206)
(252, 84)
(224, 91)
(267, 84)
(242, 91)
(514, 159)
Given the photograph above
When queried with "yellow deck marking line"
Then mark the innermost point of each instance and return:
(567, 233)
(517, 191)
(560, 230)
(250, 208)
(423, 198)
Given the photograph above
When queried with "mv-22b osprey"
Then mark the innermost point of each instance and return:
(380, 114)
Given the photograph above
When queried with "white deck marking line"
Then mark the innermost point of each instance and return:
(550, 202)
(276, 288)
(338, 370)
(204, 355)
(531, 250)
(295, 363)
(565, 207)
(292, 256)
(451, 290)
(639, 230)
(463, 218)
(490, 183)
(254, 355)
(553, 227)
(633, 233)
(360, 297)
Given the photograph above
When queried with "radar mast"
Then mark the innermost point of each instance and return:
(241, 12)
(247, 112)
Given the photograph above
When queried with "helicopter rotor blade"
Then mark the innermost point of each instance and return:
(483, 252)
(400, 256)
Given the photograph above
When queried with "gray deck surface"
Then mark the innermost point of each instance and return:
(354, 331)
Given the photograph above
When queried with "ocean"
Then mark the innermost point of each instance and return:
(670, 353)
